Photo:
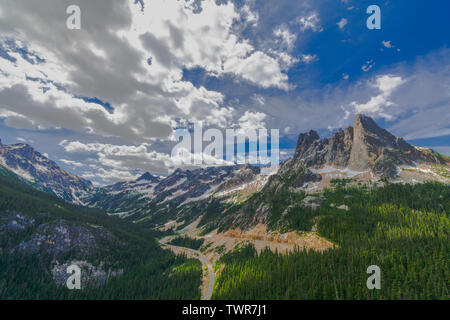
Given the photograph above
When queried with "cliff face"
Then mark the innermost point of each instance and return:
(316, 152)
(365, 146)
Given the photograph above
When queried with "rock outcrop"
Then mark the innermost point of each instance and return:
(316, 152)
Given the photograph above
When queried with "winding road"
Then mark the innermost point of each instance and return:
(198, 255)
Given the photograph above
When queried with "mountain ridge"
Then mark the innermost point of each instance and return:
(41, 172)
(363, 152)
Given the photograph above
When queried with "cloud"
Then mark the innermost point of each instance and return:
(208, 40)
(98, 81)
(287, 38)
(342, 23)
(72, 163)
(259, 68)
(251, 17)
(385, 84)
(108, 175)
(252, 120)
(310, 22)
(308, 58)
(124, 158)
(367, 66)
(259, 99)
(107, 59)
(387, 44)
(109, 163)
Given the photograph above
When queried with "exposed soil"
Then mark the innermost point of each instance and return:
(219, 243)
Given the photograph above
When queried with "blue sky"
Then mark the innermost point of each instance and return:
(91, 101)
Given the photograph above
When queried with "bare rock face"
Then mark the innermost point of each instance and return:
(60, 238)
(313, 202)
(316, 152)
(372, 142)
(306, 143)
(244, 174)
(377, 149)
(91, 275)
(339, 147)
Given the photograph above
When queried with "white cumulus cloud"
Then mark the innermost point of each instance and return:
(385, 84)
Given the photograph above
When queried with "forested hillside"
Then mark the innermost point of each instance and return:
(403, 229)
(187, 242)
(40, 233)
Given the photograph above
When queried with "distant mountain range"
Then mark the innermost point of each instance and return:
(363, 153)
(181, 187)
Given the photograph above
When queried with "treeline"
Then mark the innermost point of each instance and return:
(148, 271)
(403, 229)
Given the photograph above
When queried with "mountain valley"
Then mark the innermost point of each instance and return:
(361, 183)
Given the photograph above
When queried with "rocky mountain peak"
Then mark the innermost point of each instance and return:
(24, 150)
(148, 177)
(366, 146)
(366, 129)
(30, 165)
(305, 140)
(316, 152)
(364, 122)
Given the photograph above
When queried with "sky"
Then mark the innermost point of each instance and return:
(104, 101)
